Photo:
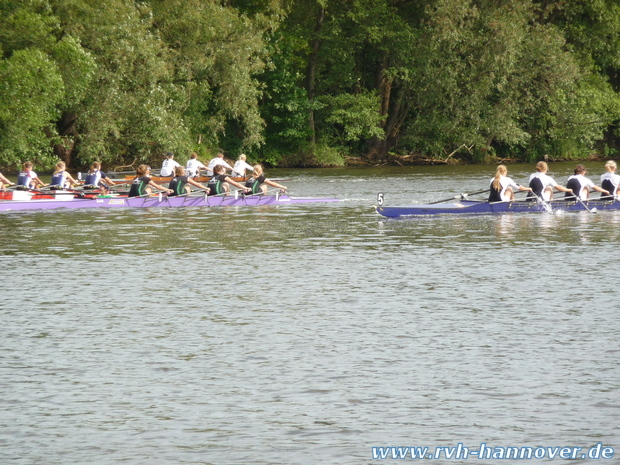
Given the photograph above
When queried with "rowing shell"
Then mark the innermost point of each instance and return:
(477, 207)
(155, 201)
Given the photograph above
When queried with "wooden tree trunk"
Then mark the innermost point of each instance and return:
(312, 66)
(67, 130)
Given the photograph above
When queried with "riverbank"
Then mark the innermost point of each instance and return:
(423, 160)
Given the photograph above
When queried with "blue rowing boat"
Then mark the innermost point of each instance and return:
(485, 207)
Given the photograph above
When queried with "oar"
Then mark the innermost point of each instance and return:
(578, 199)
(460, 196)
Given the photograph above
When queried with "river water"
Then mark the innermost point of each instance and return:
(305, 334)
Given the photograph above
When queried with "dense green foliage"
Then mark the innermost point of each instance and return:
(295, 82)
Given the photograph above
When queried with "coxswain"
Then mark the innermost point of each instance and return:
(61, 179)
(168, 166)
(28, 179)
(258, 182)
(219, 160)
(220, 182)
(4, 181)
(542, 185)
(142, 184)
(180, 184)
(502, 187)
(610, 181)
(96, 179)
(581, 186)
(241, 166)
(193, 166)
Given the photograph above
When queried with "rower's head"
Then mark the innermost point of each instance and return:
(502, 170)
(193, 156)
(542, 167)
(142, 170)
(170, 155)
(27, 165)
(611, 166)
(220, 155)
(60, 166)
(580, 169)
(258, 171)
(219, 169)
(242, 157)
(179, 171)
(95, 166)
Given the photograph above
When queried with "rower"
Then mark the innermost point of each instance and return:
(241, 166)
(61, 179)
(542, 185)
(581, 186)
(219, 160)
(194, 166)
(219, 182)
(142, 184)
(95, 178)
(179, 184)
(4, 181)
(610, 181)
(258, 182)
(168, 166)
(502, 187)
(28, 179)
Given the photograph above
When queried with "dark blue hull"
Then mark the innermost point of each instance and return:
(475, 207)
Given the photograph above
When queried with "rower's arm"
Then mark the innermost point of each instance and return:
(275, 184)
(197, 184)
(235, 183)
(161, 188)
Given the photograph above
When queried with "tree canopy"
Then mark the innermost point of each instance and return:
(293, 82)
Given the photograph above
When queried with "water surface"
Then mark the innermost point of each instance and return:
(306, 334)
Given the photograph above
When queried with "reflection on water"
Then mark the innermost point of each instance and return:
(304, 333)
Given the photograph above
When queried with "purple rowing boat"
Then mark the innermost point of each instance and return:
(155, 201)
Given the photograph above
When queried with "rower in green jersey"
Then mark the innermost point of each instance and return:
(220, 182)
(258, 182)
(180, 184)
(142, 184)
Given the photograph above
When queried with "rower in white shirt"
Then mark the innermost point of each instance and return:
(581, 186)
(219, 160)
(241, 166)
(194, 166)
(610, 181)
(168, 166)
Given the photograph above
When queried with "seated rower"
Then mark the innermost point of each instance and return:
(241, 166)
(179, 184)
(502, 187)
(96, 179)
(219, 160)
(258, 182)
(28, 179)
(193, 166)
(542, 185)
(580, 185)
(4, 181)
(61, 179)
(168, 166)
(220, 183)
(142, 184)
(610, 181)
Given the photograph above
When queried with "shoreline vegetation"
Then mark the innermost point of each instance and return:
(308, 83)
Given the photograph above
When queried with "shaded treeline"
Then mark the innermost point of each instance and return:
(307, 82)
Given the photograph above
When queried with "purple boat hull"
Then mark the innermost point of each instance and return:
(157, 202)
(475, 207)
